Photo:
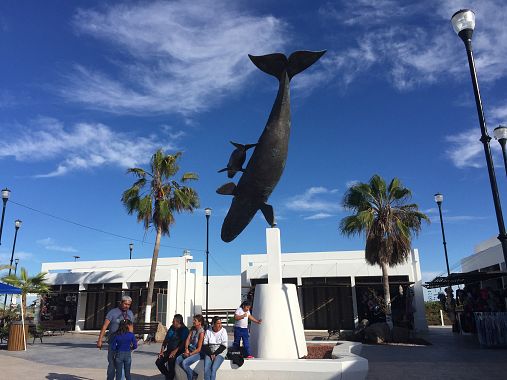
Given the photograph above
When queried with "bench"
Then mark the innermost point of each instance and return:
(146, 328)
(53, 326)
(36, 332)
(225, 314)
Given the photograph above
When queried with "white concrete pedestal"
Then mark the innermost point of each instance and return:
(281, 334)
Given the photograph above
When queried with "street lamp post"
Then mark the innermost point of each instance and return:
(17, 225)
(500, 133)
(439, 198)
(463, 23)
(187, 257)
(16, 261)
(207, 211)
(76, 257)
(5, 197)
(131, 247)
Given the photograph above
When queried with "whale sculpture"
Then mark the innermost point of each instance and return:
(237, 159)
(267, 162)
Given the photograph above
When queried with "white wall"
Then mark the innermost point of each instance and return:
(224, 292)
(338, 264)
(487, 253)
(183, 298)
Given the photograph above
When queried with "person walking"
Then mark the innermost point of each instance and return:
(215, 343)
(122, 343)
(172, 346)
(193, 345)
(241, 317)
(112, 323)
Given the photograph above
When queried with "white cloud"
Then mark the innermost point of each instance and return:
(52, 245)
(415, 41)
(318, 216)
(82, 146)
(456, 218)
(466, 150)
(5, 257)
(317, 200)
(351, 183)
(176, 56)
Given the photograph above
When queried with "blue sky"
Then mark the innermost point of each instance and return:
(89, 89)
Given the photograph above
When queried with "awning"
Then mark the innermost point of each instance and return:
(463, 279)
(9, 289)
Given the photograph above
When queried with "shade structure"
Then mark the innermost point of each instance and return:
(463, 279)
(9, 289)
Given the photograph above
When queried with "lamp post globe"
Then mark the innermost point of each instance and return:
(5, 197)
(207, 212)
(463, 23)
(500, 134)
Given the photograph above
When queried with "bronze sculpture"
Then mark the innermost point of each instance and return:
(267, 163)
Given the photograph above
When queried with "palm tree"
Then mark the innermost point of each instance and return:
(388, 222)
(155, 202)
(33, 285)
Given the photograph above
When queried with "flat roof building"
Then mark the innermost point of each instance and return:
(335, 289)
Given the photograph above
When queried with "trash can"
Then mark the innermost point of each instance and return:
(16, 341)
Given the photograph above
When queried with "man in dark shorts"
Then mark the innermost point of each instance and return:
(113, 319)
(174, 343)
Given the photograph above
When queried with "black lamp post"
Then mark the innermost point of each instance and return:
(439, 198)
(76, 257)
(131, 247)
(463, 23)
(5, 197)
(16, 261)
(500, 133)
(17, 225)
(207, 211)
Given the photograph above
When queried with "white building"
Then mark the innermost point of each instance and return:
(333, 287)
(88, 289)
(487, 257)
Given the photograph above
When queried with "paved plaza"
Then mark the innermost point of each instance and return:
(75, 357)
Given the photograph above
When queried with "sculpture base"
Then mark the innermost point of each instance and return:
(281, 334)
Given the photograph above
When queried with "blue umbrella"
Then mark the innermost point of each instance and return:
(9, 289)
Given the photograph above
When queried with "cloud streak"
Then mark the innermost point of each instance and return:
(51, 245)
(389, 33)
(174, 57)
(82, 146)
(316, 200)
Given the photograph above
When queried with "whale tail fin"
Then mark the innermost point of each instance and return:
(244, 147)
(277, 64)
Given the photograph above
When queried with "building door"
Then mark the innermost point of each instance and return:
(327, 303)
(100, 299)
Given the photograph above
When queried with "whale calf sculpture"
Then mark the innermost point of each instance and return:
(267, 163)
(237, 159)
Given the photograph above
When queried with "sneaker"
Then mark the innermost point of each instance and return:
(250, 357)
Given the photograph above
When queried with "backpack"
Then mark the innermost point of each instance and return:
(235, 356)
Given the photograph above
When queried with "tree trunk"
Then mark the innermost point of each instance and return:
(387, 295)
(23, 303)
(151, 282)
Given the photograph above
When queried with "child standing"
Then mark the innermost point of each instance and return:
(241, 317)
(122, 343)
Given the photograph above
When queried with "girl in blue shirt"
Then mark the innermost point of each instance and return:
(122, 343)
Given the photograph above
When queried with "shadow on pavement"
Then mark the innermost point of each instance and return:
(65, 376)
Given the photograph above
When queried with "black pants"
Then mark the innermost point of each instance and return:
(166, 369)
